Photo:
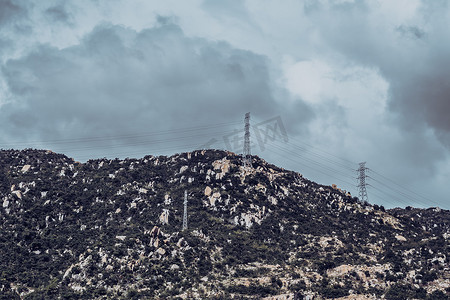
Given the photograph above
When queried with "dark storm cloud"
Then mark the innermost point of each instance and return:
(119, 81)
(58, 13)
(411, 32)
(416, 67)
(14, 23)
(10, 10)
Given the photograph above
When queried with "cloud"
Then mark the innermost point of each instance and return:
(10, 10)
(411, 54)
(411, 32)
(58, 13)
(120, 81)
(233, 9)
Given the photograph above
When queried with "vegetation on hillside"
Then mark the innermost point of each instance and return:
(112, 228)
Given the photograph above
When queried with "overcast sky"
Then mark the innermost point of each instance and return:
(351, 81)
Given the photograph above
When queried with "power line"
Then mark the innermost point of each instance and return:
(345, 162)
(313, 161)
(118, 137)
(327, 172)
(400, 193)
(298, 151)
(322, 157)
(309, 150)
(147, 142)
(384, 199)
(404, 189)
(109, 144)
(391, 195)
(142, 152)
(310, 153)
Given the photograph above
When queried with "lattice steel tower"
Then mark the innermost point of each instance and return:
(247, 159)
(185, 211)
(362, 181)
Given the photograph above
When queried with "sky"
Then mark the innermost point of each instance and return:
(328, 83)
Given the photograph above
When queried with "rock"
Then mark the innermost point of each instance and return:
(280, 297)
(161, 251)
(167, 199)
(18, 194)
(248, 220)
(400, 238)
(273, 200)
(223, 165)
(67, 272)
(261, 187)
(155, 231)
(26, 168)
(208, 191)
(164, 217)
(213, 198)
(340, 270)
(180, 242)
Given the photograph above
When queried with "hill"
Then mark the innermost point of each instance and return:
(112, 229)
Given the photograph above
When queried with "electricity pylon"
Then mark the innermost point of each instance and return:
(185, 226)
(362, 182)
(247, 159)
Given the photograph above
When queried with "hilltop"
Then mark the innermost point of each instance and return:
(112, 229)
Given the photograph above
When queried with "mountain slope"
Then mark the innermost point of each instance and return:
(112, 228)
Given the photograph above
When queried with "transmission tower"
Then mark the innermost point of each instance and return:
(247, 159)
(185, 211)
(362, 181)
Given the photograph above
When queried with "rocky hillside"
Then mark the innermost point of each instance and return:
(112, 229)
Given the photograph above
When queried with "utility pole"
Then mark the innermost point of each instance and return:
(247, 159)
(185, 211)
(362, 181)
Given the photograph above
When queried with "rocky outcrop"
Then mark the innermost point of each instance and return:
(113, 229)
